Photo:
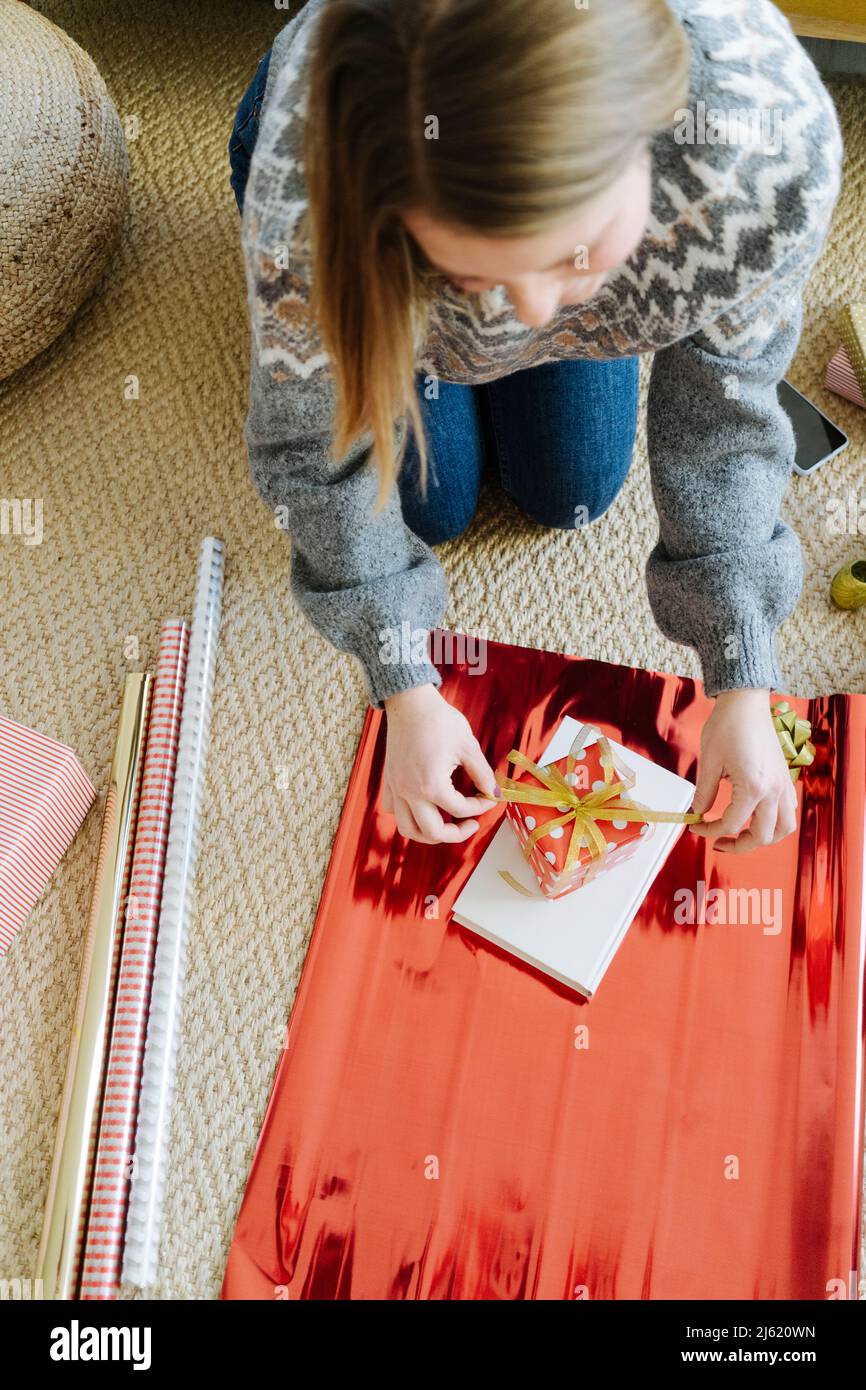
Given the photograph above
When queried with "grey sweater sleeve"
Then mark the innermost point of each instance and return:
(364, 580)
(727, 570)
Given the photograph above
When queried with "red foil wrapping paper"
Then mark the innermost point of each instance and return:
(446, 1123)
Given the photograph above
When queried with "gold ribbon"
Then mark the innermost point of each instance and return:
(794, 737)
(585, 811)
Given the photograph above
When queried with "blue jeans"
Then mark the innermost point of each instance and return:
(560, 436)
(245, 130)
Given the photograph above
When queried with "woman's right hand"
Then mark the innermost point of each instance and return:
(427, 740)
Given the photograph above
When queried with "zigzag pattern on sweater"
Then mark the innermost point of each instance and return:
(733, 232)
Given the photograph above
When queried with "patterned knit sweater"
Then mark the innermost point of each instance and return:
(713, 289)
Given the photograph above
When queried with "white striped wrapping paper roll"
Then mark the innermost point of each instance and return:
(841, 379)
(144, 1213)
(44, 798)
(103, 1251)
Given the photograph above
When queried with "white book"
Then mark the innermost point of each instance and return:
(573, 938)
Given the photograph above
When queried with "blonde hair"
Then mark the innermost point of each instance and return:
(539, 106)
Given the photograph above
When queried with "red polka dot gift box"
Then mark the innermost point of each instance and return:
(574, 817)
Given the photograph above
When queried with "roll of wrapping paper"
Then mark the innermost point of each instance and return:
(103, 1251)
(144, 1214)
(854, 338)
(840, 378)
(70, 1183)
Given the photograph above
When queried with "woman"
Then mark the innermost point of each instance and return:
(462, 223)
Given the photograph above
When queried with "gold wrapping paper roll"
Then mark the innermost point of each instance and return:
(69, 1186)
(854, 339)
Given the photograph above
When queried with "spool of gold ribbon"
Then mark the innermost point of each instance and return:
(794, 737)
(848, 589)
(584, 810)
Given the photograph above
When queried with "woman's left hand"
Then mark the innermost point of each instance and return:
(739, 742)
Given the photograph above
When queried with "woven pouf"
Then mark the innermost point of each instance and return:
(63, 181)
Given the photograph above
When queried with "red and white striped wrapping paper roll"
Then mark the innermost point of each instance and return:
(841, 378)
(45, 795)
(103, 1251)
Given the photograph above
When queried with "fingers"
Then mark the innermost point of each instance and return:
(786, 820)
(435, 830)
(421, 756)
(420, 817)
(407, 824)
(773, 819)
(422, 821)
(734, 818)
(456, 804)
(760, 831)
(709, 777)
(479, 769)
(446, 797)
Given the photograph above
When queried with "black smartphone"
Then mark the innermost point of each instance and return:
(817, 438)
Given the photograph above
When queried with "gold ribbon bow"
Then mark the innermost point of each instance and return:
(584, 810)
(794, 737)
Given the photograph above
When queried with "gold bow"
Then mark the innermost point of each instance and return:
(585, 811)
(794, 737)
